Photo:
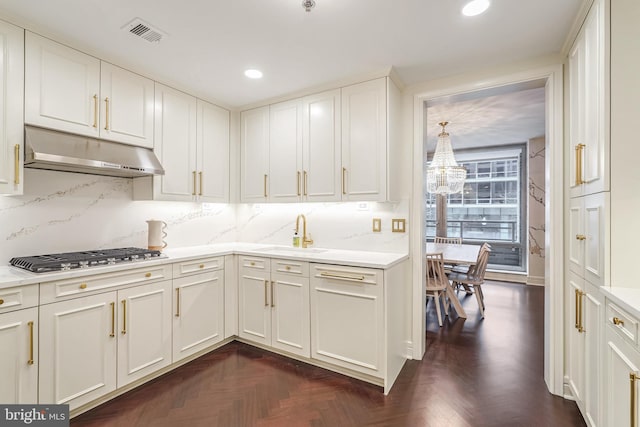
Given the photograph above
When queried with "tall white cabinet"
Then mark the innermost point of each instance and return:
(11, 108)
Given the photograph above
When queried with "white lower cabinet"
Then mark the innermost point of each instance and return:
(198, 306)
(622, 369)
(19, 344)
(347, 319)
(274, 303)
(91, 345)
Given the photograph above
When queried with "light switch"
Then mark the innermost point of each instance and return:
(398, 225)
(377, 225)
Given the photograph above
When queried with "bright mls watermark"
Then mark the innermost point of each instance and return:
(34, 415)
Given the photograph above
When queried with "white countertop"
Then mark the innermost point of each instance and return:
(627, 298)
(12, 276)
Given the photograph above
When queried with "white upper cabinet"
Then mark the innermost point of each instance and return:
(126, 110)
(254, 155)
(321, 142)
(589, 105)
(212, 152)
(364, 141)
(285, 151)
(11, 108)
(175, 130)
(66, 90)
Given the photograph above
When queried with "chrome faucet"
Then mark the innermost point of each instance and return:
(306, 241)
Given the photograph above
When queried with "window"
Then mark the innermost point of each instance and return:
(492, 205)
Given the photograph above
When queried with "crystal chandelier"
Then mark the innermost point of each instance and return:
(444, 176)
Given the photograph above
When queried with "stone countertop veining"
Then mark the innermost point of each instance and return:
(13, 276)
(626, 298)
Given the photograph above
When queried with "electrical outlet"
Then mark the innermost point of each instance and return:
(377, 225)
(398, 225)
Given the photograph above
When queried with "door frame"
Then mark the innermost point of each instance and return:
(554, 211)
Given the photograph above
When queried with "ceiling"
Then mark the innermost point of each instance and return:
(210, 43)
(485, 119)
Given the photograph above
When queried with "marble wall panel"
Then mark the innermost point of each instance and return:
(536, 210)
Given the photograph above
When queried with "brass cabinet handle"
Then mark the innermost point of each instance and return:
(16, 170)
(287, 268)
(341, 276)
(252, 263)
(579, 149)
(201, 266)
(30, 361)
(200, 174)
(1, 301)
(632, 408)
(147, 274)
(95, 110)
(113, 320)
(273, 304)
(265, 185)
(344, 181)
(581, 237)
(298, 183)
(177, 302)
(193, 193)
(306, 180)
(580, 325)
(266, 285)
(106, 121)
(83, 286)
(577, 297)
(617, 321)
(124, 316)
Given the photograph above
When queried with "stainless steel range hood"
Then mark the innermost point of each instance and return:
(48, 149)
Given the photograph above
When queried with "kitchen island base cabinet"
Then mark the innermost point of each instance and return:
(19, 344)
(93, 344)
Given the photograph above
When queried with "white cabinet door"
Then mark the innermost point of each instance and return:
(622, 363)
(321, 163)
(175, 144)
(62, 87)
(254, 310)
(589, 104)
(364, 141)
(347, 319)
(593, 321)
(213, 153)
(144, 343)
(126, 106)
(588, 221)
(11, 108)
(78, 350)
(576, 238)
(576, 339)
(198, 307)
(289, 300)
(254, 155)
(19, 344)
(285, 151)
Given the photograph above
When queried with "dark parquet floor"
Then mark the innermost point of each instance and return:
(475, 373)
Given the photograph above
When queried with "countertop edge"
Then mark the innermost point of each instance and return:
(627, 298)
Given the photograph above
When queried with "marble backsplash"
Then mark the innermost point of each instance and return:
(62, 212)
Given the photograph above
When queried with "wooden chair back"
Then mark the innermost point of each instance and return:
(451, 240)
(436, 276)
(474, 270)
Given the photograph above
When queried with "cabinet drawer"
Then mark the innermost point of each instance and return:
(198, 266)
(18, 298)
(254, 263)
(339, 275)
(88, 285)
(290, 267)
(624, 323)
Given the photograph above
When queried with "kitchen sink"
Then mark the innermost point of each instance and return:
(292, 250)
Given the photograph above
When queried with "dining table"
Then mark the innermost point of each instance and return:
(453, 253)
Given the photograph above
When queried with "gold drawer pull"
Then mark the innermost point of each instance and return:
(341, 276)
(147, 275)
(273, 285)
(30, 361)
(581, 237)
(113, 320)
(201, 266)
(200, 174)
(193, 193)
(617, 321)
(83, 286)
(252, 263)
(287, 268)
(266, 285)
(177, 302)
(124, 317)
(95, 111)
(16, 168)
(106, 111)
(632, 409)
(1, 301)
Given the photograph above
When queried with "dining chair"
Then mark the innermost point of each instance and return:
(450, 240)
(437, 283)
(473, 279)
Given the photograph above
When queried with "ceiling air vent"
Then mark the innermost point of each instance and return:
(141, 29)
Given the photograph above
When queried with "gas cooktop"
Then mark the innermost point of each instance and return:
(83, 259)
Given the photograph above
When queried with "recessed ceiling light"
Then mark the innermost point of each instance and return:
(475, 7)
(253, 74)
